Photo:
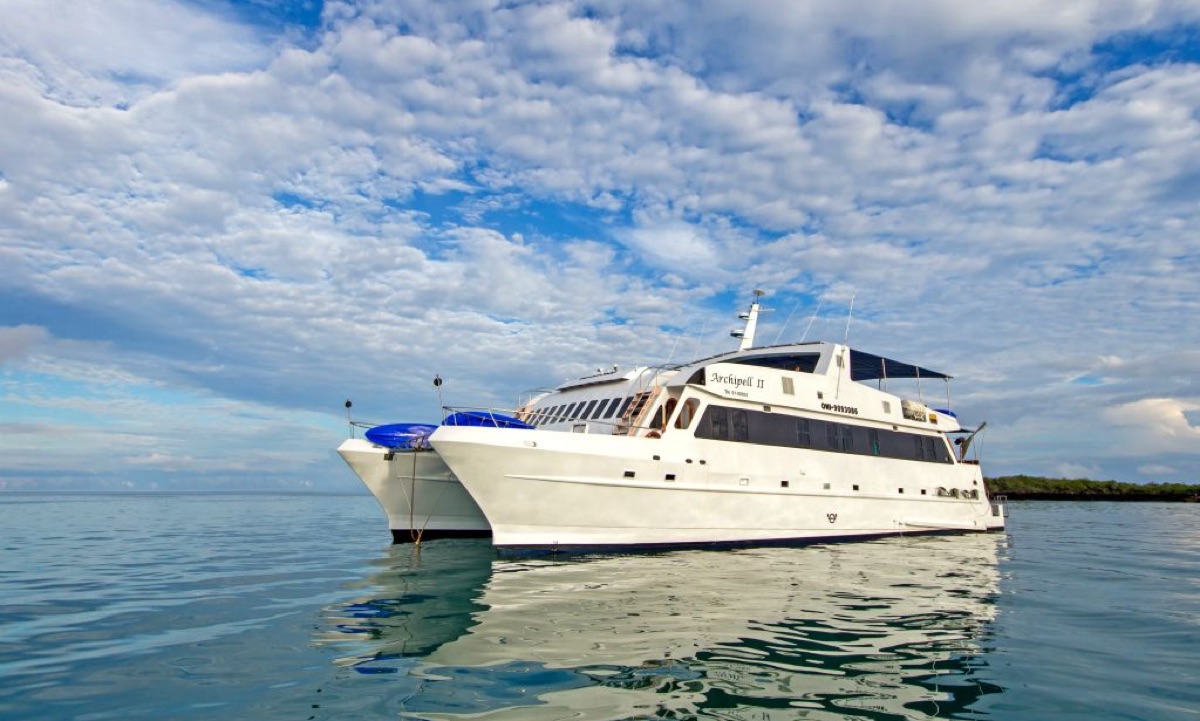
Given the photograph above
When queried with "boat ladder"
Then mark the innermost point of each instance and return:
(632, 419)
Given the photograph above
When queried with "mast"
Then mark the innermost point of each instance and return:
(751, 318)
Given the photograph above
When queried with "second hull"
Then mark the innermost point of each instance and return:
(421, 497)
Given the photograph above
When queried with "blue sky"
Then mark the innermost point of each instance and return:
(219, 220)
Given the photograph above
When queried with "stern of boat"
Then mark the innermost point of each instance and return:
(999, 512)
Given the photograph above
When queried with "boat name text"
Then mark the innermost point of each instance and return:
(735, 381)
(839, 409)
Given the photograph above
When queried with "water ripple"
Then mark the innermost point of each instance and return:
(295, 607)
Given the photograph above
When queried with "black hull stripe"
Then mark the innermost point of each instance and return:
(722, 545)
(404, 535)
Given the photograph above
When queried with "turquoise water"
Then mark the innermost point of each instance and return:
(296, 607)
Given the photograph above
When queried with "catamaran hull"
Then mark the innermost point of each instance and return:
(421, 497)
(546, 489)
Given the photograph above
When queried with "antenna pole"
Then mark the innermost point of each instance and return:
(699, 337)
(849, 315)
(786, 322)
(674, 345)
(810, 321)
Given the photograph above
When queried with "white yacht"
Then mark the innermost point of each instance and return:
(784, 443)
(421, 497)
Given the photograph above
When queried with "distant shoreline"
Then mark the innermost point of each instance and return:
(1034, 488)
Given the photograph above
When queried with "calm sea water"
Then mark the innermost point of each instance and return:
(296, 607)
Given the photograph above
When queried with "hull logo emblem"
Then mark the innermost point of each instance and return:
(832, 517)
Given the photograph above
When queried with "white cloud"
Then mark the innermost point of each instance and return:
(1076, 471)
(85, 54)
(1154, 469)
(677, 246)
(16, 342)
(1158, 424)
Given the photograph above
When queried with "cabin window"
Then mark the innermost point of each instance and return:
(663, 413)
(720, 423)
(803, 433)
(602, 403)
(610, 410)
(625, 406)
(788, 386)
(687, 413)
(741, 428)
(570, 411)
(887, 406)
(587, 410)
(612, 407)
(724, 423)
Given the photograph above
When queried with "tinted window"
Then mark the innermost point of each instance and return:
(741, 427)
(625, 406)
(776, 429)
(612, 407)
(720, 423)
(803, 433)
(600, 409)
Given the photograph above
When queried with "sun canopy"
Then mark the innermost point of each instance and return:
(868, 367)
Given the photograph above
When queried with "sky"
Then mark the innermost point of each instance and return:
(220, 220)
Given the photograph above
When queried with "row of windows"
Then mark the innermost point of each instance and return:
(594, 409)
(773, 429)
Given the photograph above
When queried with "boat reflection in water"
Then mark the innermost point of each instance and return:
(893, 628)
